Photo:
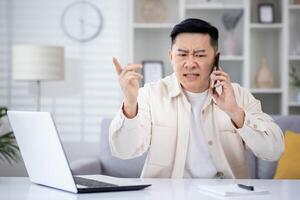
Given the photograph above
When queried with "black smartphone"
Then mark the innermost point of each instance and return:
(216, 67)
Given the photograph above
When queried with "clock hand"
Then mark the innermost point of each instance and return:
(82, 25)
(91, 24)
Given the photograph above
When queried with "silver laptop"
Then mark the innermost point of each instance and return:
(46, 161)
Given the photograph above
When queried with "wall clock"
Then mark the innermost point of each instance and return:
(82, 21)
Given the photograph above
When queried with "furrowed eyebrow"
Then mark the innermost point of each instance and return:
(183, 50)
(195, 51)
(199, 51)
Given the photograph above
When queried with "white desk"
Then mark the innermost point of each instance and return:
(165, 189)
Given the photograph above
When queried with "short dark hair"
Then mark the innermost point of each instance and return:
(193, 25)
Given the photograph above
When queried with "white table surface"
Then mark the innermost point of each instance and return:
(164, 189)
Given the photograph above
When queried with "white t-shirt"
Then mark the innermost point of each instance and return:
(199, 163)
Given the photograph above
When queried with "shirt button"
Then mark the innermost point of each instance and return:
(255, 126)
(248, 122)
(210, 143)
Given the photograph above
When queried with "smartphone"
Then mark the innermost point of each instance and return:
(216, 67)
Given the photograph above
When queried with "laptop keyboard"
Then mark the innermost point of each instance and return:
(92, 183)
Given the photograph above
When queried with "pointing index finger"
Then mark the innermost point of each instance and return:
(117, 66)
(133, 67)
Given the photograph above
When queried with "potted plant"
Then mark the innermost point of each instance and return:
(9, 151)
(295, 81)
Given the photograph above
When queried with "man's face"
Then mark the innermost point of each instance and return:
(192, 57)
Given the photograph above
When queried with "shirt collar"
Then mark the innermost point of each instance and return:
(175, 89)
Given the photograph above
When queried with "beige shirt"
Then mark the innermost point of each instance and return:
(162, 127)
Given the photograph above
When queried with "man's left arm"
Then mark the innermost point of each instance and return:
(257, 129)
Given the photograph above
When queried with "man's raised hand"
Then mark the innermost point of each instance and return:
(129, 83)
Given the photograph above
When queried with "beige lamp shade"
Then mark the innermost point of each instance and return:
(38, 62)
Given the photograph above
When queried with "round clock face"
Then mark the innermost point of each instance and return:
(82, 21)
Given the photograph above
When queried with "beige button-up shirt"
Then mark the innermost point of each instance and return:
(162, 127)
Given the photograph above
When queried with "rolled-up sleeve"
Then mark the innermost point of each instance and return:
(129, 138)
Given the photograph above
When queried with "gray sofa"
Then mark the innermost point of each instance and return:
(108, 165)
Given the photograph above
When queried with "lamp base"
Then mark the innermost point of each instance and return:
(38, 95)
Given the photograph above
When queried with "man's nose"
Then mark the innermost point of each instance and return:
(190, 61)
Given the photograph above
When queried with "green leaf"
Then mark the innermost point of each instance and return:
(9, 151)
(3, 111)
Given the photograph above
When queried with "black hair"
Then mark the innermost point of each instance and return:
(193, 25)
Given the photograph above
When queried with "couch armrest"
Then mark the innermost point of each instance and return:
(86, 166)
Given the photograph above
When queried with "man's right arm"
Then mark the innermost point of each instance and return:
(130, 130)
(130, 137)
(130, 110)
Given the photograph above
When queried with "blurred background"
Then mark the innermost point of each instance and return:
(56, 56)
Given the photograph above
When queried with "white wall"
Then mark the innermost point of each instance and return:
(90, 90)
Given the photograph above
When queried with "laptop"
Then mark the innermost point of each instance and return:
(46, 161)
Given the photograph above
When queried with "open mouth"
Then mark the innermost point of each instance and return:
(191, 75)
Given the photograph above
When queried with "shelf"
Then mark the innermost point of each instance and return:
(270, 101)
(153, 25)
(203, 6)
(273, 41)
(266, 90)
(232, 58)
(266, 26)
(294, 58)
(294, 104)
(294, 7)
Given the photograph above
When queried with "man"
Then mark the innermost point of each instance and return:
(189, 129)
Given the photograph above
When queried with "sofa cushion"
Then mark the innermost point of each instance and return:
(266, 169)
(113, 166)
(289, 164)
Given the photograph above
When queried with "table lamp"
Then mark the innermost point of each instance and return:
(37, 63)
